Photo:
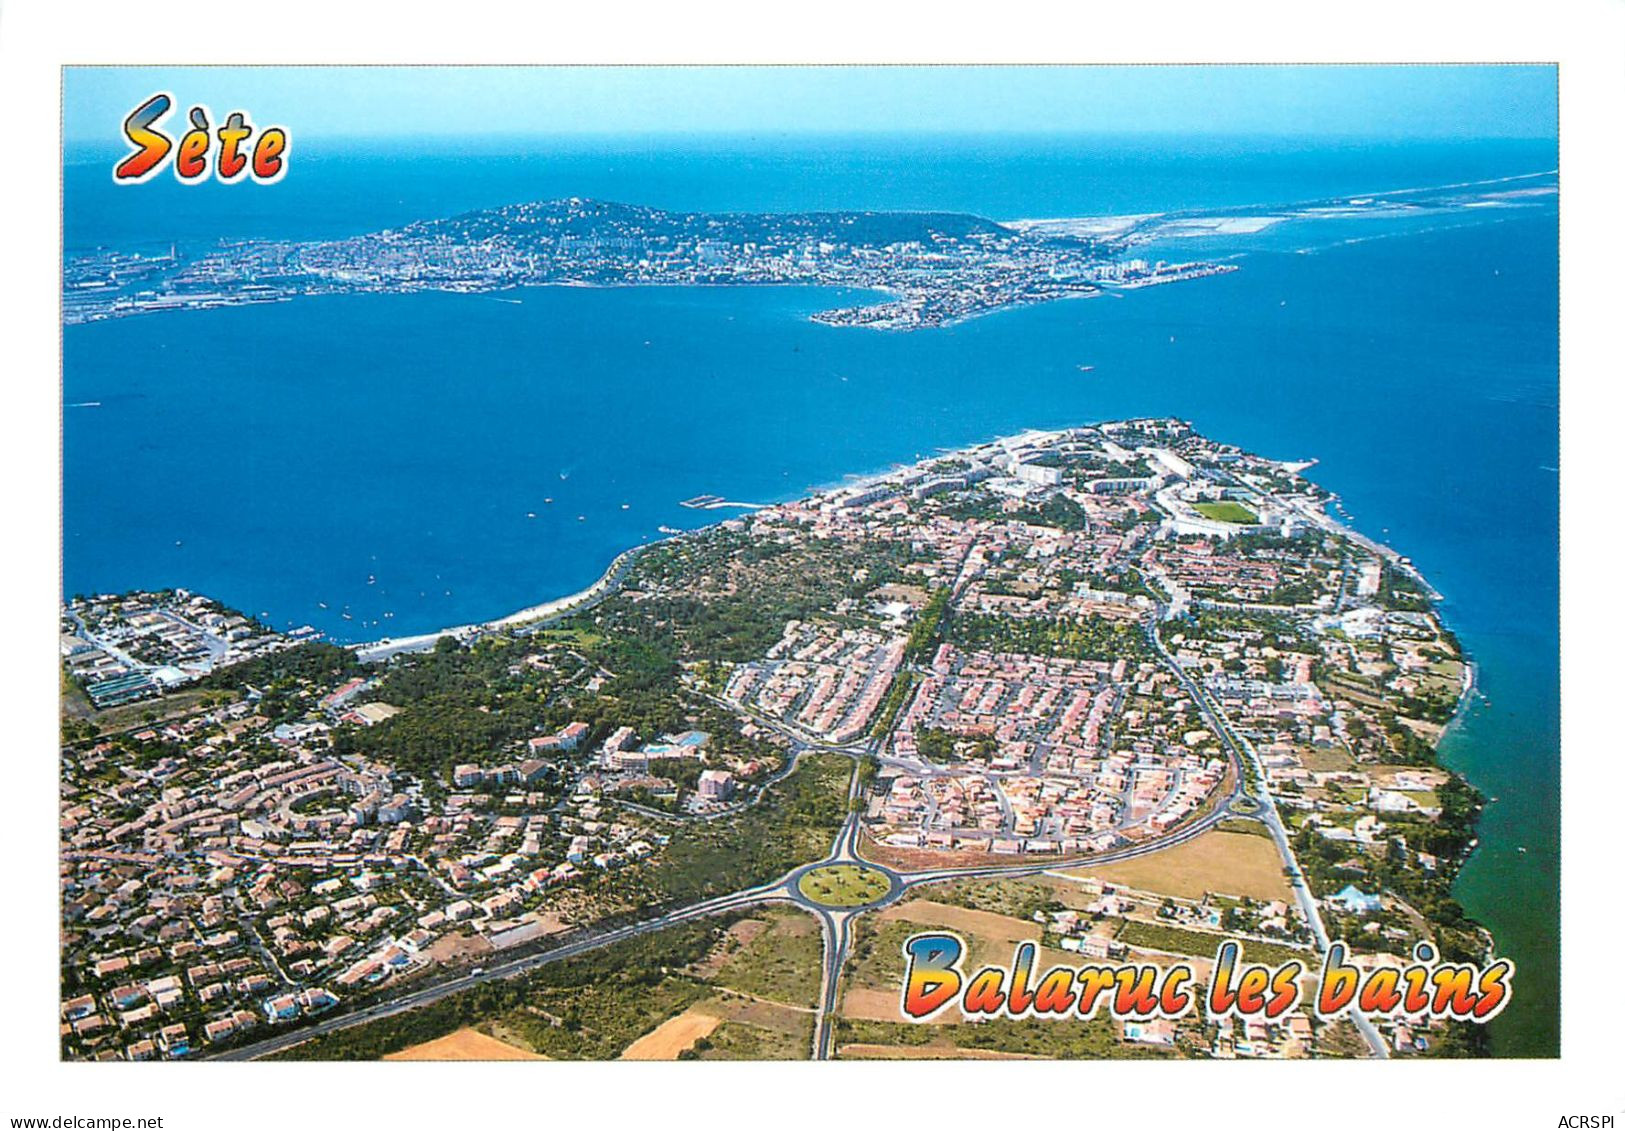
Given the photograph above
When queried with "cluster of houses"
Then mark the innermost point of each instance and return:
(822, 679)
(1028, 770)
(529, 771)
(125, 648)
(344, 877)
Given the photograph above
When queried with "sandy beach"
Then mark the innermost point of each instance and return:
(394, 646)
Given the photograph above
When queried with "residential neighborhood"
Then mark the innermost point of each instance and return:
(1049, 649)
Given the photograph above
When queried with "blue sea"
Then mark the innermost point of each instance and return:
(382, 456)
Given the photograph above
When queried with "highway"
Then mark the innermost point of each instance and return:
(835, 922)
(429, 994)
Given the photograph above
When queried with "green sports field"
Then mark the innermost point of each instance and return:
(1227, 511)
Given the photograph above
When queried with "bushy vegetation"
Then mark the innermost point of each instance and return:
(1058, 1039)
(1399, 592)
(1077, 638)
(1446, 837)
(588, 1007)
(723, 595)
(1204, 944)
(923, 636)
(1057, 511)
(895, 698)
(313, 663)
(479, 703)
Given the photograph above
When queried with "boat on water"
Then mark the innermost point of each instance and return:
(668, 530)
(1086, 369)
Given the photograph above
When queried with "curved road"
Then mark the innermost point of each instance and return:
(1240, 749)
(835, 922)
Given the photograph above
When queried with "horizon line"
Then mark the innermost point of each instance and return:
(482, 141)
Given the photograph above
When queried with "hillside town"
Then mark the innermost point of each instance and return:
(1044, 648)
(937, 268)
(223, 872)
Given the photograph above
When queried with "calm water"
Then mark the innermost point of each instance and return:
(382, 454)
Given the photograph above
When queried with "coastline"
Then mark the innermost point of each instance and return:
(609, 581)
(533, 615)
(537, 615)
(385, 647)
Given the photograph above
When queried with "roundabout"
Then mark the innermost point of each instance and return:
(846, 886)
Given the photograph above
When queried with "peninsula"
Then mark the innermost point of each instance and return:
(930, 268)
(1120, 688)
(936, 268)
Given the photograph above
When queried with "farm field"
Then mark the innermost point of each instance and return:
(464, 1044)
(673, 1036)
(1229, 863)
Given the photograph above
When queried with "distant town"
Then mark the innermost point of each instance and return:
(1120, 688)
(937, 268)
(926, 268)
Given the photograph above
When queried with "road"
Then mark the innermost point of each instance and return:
(430, 994)
(835, 922)
(1241, 752)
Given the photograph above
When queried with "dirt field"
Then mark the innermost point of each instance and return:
(132, 716)
(1227, 863)
(459, 945)
(862, 1003)
(673, 1036)
(760, 1012)
(1323, 760)
(985, 925)
(464, 1044)
(1428, 732)
(927, 1052)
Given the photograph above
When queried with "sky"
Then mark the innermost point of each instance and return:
(343, 103)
